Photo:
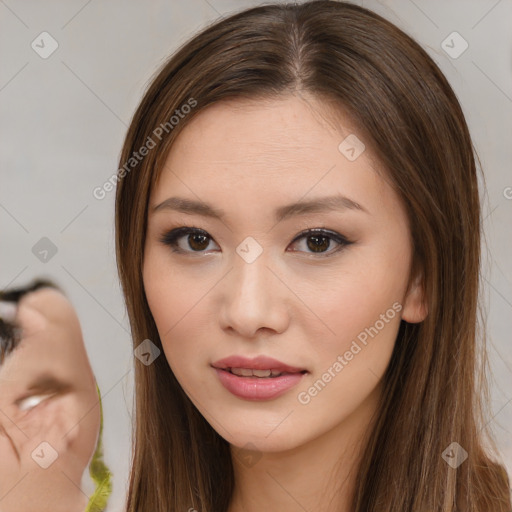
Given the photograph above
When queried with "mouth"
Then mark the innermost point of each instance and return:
(261, 374)
(258, 378)
(261, 366)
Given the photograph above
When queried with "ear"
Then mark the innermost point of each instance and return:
(415, 308)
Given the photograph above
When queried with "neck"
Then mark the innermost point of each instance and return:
(318, 476)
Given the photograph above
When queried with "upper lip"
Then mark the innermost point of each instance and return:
(256, 363)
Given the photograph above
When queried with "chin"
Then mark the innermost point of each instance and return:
(259, 440)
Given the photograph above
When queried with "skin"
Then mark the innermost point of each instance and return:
(296, 305)
(67, 415)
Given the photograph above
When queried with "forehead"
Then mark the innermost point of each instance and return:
(267, 135)
(244, 153)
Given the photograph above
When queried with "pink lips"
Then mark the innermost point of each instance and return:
(257, 388)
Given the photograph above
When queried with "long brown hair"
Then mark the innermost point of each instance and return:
(435, 387)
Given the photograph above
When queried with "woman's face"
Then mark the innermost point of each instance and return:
(255, 283)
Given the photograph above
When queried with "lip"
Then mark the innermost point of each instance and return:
(256, 363)
(256, 388)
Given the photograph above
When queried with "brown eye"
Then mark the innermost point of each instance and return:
(318, 243)
(187, 240)
(320, 240)
(198, 242)
(194, 240)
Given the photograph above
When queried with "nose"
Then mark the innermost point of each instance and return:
(254, 300)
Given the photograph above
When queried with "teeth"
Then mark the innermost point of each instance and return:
(248, 372)
(262, 373)
(242, 372)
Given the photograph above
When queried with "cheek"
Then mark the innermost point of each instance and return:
(355, 357)
(360, 309)
(353, 302)
(177, 301)
(167, 291)
(349, 363)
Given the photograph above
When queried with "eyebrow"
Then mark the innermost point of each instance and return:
(318, 205)
(47, 384)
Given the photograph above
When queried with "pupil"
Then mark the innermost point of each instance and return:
(317, 244)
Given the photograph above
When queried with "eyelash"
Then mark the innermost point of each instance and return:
(171, 238)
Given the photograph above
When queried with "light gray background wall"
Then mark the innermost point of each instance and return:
(63, 120)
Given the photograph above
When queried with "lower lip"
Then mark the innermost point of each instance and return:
(256, 388)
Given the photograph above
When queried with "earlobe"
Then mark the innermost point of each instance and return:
(415, 308)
